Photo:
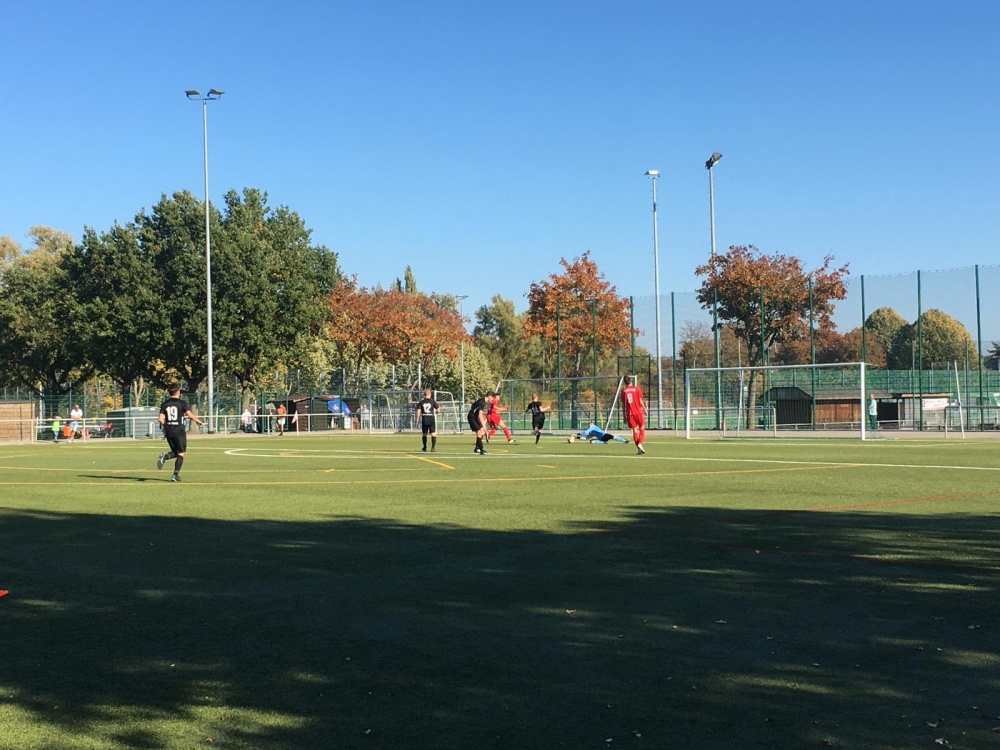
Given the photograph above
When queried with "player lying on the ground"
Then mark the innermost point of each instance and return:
(595, 434)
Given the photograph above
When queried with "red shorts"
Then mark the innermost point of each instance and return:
(634, 421)
(493, 419)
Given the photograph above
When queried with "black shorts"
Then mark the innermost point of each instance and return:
(474, 423)
(428, 426)
(176, 439)
(538, 423)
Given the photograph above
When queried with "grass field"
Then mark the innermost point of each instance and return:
(342, 592)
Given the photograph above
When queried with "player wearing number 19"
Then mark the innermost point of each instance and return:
(171, 418)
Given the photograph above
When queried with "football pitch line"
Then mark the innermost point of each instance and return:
(438, 480)
(333, 453)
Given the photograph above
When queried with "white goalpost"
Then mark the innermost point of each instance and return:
(828, 400)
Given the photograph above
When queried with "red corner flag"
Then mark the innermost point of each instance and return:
(3, 593)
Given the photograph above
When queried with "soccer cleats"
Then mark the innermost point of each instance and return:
(161, 460)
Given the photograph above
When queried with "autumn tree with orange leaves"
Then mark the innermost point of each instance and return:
(738, 278)
(573, 296)
(395, 326)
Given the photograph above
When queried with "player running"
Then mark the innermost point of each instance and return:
(427, 411)
(493, 418)
(171, 418)
(537, 415)
(635, 411)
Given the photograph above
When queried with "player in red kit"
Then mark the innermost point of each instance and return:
(494, 420)
(635, 412)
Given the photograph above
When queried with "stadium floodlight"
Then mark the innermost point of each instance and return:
(195, 95)
(461, 350)
(653, 174)
(712, 161)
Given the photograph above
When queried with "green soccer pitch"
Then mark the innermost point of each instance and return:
(355, 592)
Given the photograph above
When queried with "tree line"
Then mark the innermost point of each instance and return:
(129, 303)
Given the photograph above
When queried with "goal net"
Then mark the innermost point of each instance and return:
(814, 400)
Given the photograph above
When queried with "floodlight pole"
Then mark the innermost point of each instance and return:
(653, 174)
(461, 350)
(712, 160)
(212, 95)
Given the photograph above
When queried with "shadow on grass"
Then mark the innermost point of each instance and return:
(680, 628)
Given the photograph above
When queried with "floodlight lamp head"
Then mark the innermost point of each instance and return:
(215, 93)
(654, 173)
(712, 160)
(191, 93)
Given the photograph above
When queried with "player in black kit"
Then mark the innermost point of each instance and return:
(537, 415)
(477, 421)
(427, 411)
(171, 418)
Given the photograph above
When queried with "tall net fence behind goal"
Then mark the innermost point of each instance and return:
(814, 400)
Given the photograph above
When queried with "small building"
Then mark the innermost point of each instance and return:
(836, 408)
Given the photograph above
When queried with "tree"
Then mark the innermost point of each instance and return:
(373, 325)
(498, 332)
(38, 348)
(884, 326)
(575, 300)
(943, 340)
(173, 236)
(697, 347)
(269, 283)
(9, 250)
(119, 315)
(738, 277)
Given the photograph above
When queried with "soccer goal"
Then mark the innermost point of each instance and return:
(828, 400)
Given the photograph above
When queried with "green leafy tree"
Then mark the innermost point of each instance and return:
(884, 325)
(119, 316)
(172, 235)
(499, 333)
(941, 339)
(38, 348)
(269, 289)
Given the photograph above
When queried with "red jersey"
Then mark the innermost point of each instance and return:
(632, 400)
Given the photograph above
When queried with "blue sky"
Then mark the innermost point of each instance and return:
(481, 142)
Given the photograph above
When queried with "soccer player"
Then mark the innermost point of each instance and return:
(595, 434)
(171, 418)
(635, 410)
(537, 415)
(427, 411)
(494, 420)
(477, 421)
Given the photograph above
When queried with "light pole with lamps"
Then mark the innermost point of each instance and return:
(653, 174)
(712, 161)
(212, 95)
(461, 350)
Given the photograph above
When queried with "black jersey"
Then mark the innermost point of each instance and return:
(427, 408)
(173, 411)
(535, 407)
(477, 407)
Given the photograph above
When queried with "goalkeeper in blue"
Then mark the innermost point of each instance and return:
(594, 434)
